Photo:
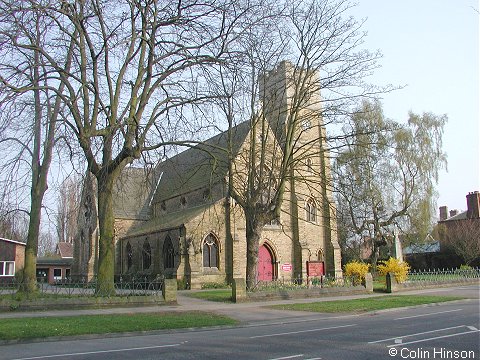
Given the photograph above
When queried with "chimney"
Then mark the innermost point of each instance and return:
(443, 213)
(453, 213)
(473, 205)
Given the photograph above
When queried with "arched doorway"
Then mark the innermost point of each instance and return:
(266, 264)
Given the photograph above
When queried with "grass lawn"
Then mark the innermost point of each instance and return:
(28, 328)
(367, 304)
(220, 295)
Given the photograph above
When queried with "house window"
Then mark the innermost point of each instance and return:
(129, 256)
(147, 255)
(57, 274)
(168, 254)
(210, 252)
(311, 209)
(7, 268)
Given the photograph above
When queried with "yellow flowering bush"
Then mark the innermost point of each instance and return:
(393, 265)
(357, 270)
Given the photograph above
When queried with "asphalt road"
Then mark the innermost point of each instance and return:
(443, 331)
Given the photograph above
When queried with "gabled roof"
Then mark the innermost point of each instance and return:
(46, 260)
(13, 241)
(167, 221)
(65, 250)
(460, 216)
(422, 248)
(199, 166)
(133, 191)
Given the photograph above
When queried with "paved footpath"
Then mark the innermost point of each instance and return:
(247, 312)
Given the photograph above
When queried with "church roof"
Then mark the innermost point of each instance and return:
(134, 189)
(199, 166)
(167, 221)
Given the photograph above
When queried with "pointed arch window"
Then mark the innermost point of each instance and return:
(129, 251)
(147, 255)
(320, 255)
(168, 254)
(210, 252)
(311, 209)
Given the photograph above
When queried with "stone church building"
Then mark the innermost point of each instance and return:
(176, 220)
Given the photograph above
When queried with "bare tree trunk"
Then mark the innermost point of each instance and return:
(29, 283)
(106, 220)
(253, 234)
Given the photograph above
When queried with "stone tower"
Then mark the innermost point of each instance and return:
(292, 105)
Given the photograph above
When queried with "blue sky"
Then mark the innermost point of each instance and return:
(432, 47)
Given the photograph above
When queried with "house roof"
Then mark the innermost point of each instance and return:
(13, 241)
(460, 216)
(65, 250)
(422, 248)
(45, 261)
(199, 166)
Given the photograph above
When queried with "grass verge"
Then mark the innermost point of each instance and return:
(367, 304)
(220, 295)
(41, 327)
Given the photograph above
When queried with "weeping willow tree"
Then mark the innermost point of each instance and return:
(386, 176)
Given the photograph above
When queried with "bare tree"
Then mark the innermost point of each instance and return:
(46, 244)
(322, 48)
(463, 238)
(30, 98)
(132, 80)
(68, 208)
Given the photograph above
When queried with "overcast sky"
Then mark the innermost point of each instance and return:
(432, 47)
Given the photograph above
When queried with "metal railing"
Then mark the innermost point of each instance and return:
(67, 287)
(302, 283)
(443, 275)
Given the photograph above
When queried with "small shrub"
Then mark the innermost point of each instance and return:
(357, 270)
(214, 285)
(395, 266)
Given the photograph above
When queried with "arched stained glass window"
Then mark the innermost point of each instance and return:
(210, 252)
(168, 254)
(311, 209)
(129, 256)
(147, 255)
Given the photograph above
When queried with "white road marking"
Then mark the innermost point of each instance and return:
(301, 331)
(420, 333)
(288, 357)
(434, 338)
(99, 352)
(435, 313)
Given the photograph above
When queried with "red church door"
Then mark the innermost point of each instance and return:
(265, 264)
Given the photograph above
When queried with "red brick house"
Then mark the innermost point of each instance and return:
(12, 256)
(56, 268)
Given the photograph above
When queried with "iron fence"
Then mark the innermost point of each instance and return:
(67, 287)
(443, 275)
(302, 283)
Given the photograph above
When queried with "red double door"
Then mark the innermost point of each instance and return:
(266, 269)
